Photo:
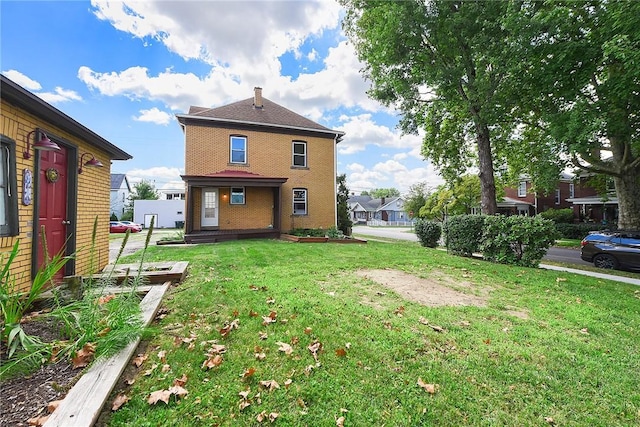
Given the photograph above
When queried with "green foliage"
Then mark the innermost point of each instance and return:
(428, 232)
(14, 304)
(576, 231)
(378, 193)
(113, 217)
(559, 216)
(144, 190)
(308, 232)
(344, 219)
(416, 198)
(517, 240)
(463, 234)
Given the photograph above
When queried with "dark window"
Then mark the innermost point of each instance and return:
(237, 195)
(300, 154)
(299, 201)
(238, 149)
(8, 188)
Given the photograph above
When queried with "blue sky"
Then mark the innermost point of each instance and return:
(124, 69)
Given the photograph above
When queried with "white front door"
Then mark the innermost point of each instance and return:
(209, 207)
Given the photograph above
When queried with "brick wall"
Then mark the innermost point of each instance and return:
(92, 198)
(268, 154)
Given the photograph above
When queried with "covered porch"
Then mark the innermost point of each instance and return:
(231, 205)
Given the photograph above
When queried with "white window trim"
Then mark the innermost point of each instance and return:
(244, 196)
(520, 192)
(231, 150)
(557, 199)
(572, 190)
(294, 154)
(306, 201)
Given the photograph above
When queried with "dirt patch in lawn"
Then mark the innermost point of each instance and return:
(439, 290)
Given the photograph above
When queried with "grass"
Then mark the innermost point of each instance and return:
(568, 243)
(571, 357)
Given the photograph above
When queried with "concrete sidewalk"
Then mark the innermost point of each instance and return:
(593, 274)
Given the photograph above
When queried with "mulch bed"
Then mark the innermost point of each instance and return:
(26, 397)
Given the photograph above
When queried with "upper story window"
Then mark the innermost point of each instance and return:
(237, 196)
(522, 189)
(557, 200)
(300, 154)
(572, 190)
(238, 149)
(299, 201)
(8, 190)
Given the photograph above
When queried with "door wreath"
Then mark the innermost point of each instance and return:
(52, 175)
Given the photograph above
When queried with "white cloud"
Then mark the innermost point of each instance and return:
(59, 95)
(22, 80)
(154, 115)
(361, 131)
(390, 174)
(158, 176)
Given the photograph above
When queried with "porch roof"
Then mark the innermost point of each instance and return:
(594, 200)
(227, 178)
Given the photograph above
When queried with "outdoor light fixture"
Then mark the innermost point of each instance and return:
(44, 144)
(92, 162)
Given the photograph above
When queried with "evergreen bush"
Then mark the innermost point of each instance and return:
(463, 234)
(517, 240)
(576, 231)
(428, 232)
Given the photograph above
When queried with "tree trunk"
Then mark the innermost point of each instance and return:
(628, 191)
(488, 202)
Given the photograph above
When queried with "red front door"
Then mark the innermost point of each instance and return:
(52, 208)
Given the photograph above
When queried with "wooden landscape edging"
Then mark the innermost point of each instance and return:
(82, 405)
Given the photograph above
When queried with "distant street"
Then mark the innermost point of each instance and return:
(566, 255)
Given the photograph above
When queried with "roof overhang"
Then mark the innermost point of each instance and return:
(18, 96)
(184, 118)
(233, 179)
(596, 200)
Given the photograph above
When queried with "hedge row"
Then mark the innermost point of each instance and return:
(517, 240)
(576, 231)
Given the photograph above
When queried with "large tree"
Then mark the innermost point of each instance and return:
(378, 193)
(461, 197)
(415, 198)
(441, 64)
(579, 84)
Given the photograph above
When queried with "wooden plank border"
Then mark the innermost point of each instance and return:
(82, 405)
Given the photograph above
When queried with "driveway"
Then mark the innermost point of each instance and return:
(136, 241)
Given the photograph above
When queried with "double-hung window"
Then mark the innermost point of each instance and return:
(299, 201)
(572, 190)
(237, 196)
(238, 149)
(557, 198)
(522, 189)
(8, 190)
(300, 154)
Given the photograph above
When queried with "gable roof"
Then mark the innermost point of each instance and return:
(372, 205)
(116, 181)
(244, 112)
(22, 98)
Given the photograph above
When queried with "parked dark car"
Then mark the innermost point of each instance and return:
(612, 249)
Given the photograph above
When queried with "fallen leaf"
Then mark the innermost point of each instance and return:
(285, 348)
(243, 404)
(307, 331)
(150, 370)
(260, 356)
(341, 352)
(84, 356)
(263, 335)
(166, 368)
(584, 331)
(295, 340)
(236, 313)
(178, 391)
(437, 328)
(130, 381)
(180, 381)
(53, 405)
(271, 300)
(213, 362)
(261, 416)
(244, 394)
(266, 320)
(159, 395)
(105, 299)
(288, 382)
(104, 332)
(399, 311)
(120, 400)
(253, 313)
(429, 388)
(487, 341)
(162, 355)
(38, 421)
(249, 372)
(139, 359)
(550, 420)
(560, 279)
(340, 422)
(217, 349)
(423, 320)
(314, 348)
(273, 416)
(270, 385)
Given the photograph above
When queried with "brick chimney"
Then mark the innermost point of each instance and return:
(257, 97)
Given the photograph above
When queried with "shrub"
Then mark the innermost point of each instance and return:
(576, 231)
(559, 216)
(428, 232)
(463, 233)
(113, 217)
(308, 232)
(517, 240)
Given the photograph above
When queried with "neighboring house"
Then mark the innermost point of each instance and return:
(166, 213)
(52, 190)
(172, 194)
(364, 209)
(120, 192)
(255, 169)
(574, 193)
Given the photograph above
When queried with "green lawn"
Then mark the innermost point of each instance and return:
(548, 348)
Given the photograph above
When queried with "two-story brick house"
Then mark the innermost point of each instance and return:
(253, 168)
(52, 188)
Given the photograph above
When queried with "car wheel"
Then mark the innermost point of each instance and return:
(605, 261)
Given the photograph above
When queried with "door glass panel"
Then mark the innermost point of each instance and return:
(210, 205)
